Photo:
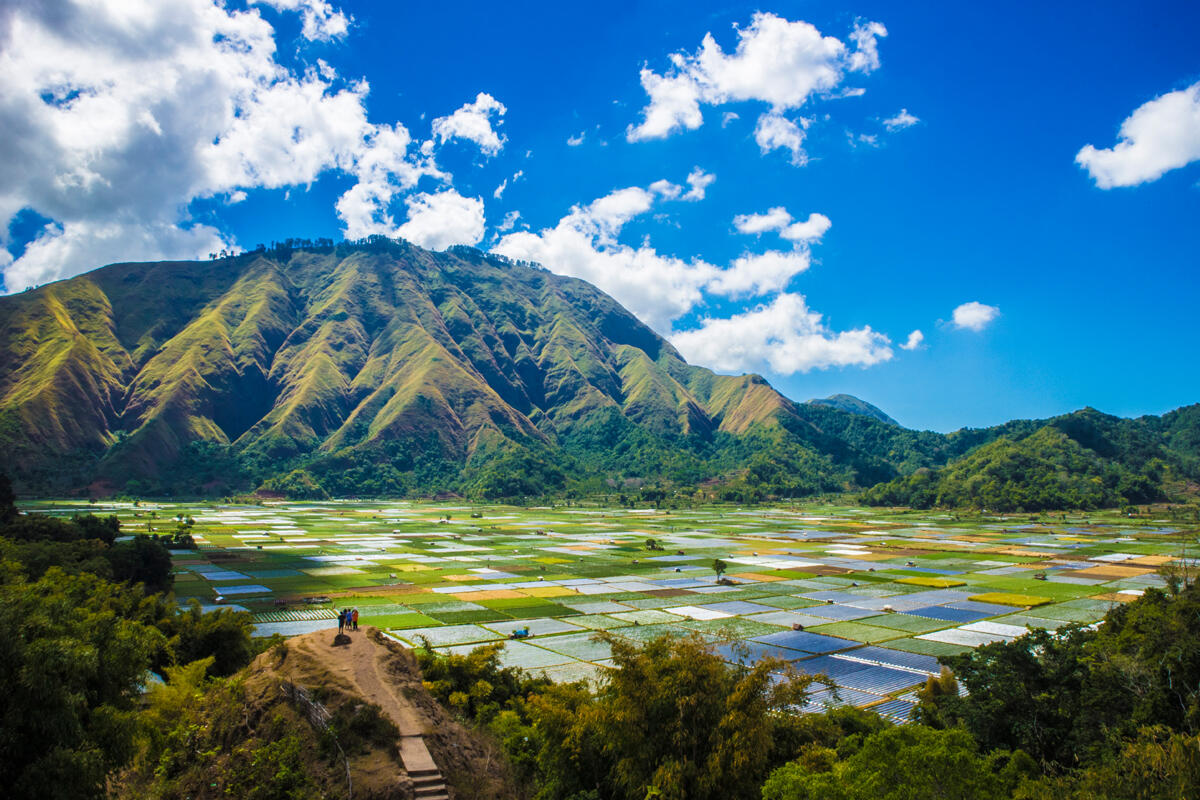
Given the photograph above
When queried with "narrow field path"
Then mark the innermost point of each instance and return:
(361, 663)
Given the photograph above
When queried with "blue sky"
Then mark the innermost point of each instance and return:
(806, 188)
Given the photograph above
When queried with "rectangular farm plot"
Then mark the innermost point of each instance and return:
(527, 657)
(583, 646)
(648, 617)
(599, 622)
(803, 640)
(888, 657)
(928, 647)
(698, 613)
(906, 623)
(751, 652)
(948, 614)
(243, 589)
(838, 613)
(858, 632)
(963, 637)
(535, 627)
(294, 628)
(449, 634)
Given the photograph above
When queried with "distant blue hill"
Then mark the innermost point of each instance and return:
(851, 404)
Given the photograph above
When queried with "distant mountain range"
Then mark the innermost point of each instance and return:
(380, 368)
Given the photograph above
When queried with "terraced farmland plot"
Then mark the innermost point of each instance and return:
(869, 598)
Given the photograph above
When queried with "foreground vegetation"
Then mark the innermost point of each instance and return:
(85, 620)
(1106, 713)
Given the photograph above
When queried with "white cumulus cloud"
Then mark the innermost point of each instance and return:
(784, 336)
(1160, 135)
(759, 274)
(866, 37)
(778, 220)
(974, 315)
(509, 221)
(655, 287)
(901, 121)
(473, 122)
(775, 132)
(322, 22)
(914, 341)
(699, 181)
(437, 221)
(776, 61)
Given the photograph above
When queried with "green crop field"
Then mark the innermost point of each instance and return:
(867, 597)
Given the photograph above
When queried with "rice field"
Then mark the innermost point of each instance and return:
(868, 598)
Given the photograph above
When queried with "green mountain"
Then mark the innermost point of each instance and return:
(1081, 460)
(379, 368)
(853, 405)
(334, 359)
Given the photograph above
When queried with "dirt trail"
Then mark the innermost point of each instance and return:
(360, 663)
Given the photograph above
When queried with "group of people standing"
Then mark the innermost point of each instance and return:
(347, 618)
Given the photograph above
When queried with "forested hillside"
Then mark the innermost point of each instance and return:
(1081, 460)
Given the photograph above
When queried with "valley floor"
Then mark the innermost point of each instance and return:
(870, 598)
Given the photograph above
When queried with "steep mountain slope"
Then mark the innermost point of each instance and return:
(288, 356)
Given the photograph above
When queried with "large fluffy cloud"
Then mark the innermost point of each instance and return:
(784, 336)
(117, 114)
(583, 244)
(436, 221)
(1160, 135)
(776, 61)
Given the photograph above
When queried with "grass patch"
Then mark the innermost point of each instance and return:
(1007, 599)
(460, 617)
(857, 631)
(398, 621)
(932, 583)
(928, 648)
(547, 610)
